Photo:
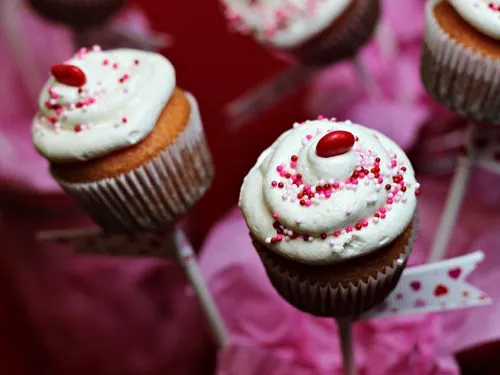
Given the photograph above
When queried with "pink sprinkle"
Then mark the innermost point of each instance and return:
(337, 233)
(105, 62)
(348, 229)
(115, 66)
(395, 191)
(282, 173)
(59, 110)
(293, 165)
(274, 184)
(307, 187)
(308, 137)
(389, 201)
(308, 203)
(275, 215)
(320, 117)
(279, 168)
(336, 185)
(354, 182)
(328, 193)
(382, 216)
(394, 163)
(380, 180)
(279, 237)
(364, 222)
(383, 210)
(124, 120)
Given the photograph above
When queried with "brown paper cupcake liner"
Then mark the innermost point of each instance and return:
(77, 13)
(463, 80)
(339, 300)
(341, 41)
(157, 193)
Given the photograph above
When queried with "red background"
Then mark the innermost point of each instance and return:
(217, 66)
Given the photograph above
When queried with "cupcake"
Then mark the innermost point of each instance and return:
(331, 209)
(316, 32)
(122, 138)
(461, 57)
(77, 13)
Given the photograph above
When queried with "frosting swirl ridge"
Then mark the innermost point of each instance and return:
(123, 93)
(321, 210)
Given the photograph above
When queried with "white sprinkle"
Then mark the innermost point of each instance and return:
(304, 142)
(293, 199)
(331, 181)
(332, 243)
(284, 197)
(400, 261)
(389, 207)
(268, 240)
(390, 195)
(321, 182)
(375, 220)
(287, 238)
(417, 185)
(298, 221)
(313, 189)
(404, 199)
(367, 182)
(311, 239)
(296, 125)
(342, 185)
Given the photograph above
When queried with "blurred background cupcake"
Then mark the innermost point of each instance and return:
(461, 57)
(331, 210)
(315, 32)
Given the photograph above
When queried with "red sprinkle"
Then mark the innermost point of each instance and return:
(294, 158)
(387, 187)
(281, 185)
(323, 236)
(78, 128)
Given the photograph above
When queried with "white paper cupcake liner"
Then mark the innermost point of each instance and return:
(157, 193)
(465, 81)
(344, 41)
(329, 300)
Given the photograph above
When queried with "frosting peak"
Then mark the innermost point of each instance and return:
(101, 101)
(321, 210)
(483, 15)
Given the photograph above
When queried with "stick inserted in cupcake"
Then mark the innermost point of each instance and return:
(128, 145)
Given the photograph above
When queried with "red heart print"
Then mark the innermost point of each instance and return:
(455, 273)
(399, 296)
(335, 143)
(415, 285)
(440, 290)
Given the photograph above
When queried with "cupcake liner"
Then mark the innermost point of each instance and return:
(77, 13)
(159, 192)
(465, 81)
(344, 41)
(347, 300)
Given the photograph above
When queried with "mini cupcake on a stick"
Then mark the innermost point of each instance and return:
(461, 56)
(331, 209)
(123, 139)
(313, 33)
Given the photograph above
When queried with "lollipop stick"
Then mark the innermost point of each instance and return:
(450, 214)
(187, 259)
(346, 344)
(365, 78)
(258, 99)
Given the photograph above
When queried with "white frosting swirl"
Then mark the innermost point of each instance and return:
(483, 15)
(125, 92)
(283, 23)
(349, 215)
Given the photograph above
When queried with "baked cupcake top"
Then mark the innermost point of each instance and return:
(101, 101)
(483, 15)
(326, 191)
(283, 23)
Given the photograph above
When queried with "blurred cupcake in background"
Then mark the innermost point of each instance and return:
(77, 13)
(331, 209)
(122, 138)
(461, 56)
(316, 32)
